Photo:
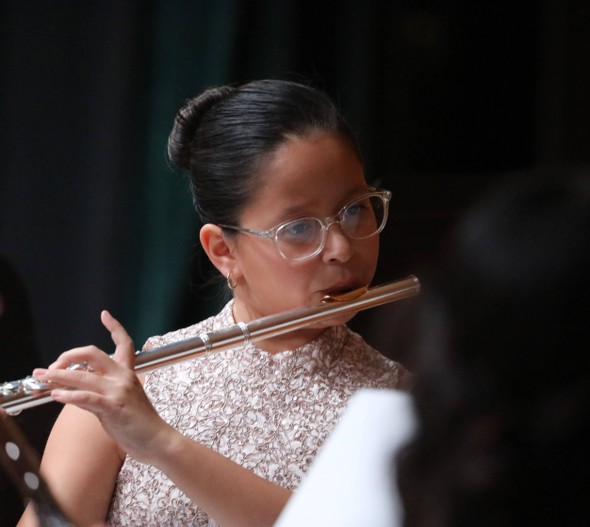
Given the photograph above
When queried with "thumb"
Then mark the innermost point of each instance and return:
(125, 349)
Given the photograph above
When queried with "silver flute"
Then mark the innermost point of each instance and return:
(19, 395)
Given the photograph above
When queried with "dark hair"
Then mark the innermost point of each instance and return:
(222, 135)
(502, 386)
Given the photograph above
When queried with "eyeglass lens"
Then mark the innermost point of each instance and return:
(360, 219)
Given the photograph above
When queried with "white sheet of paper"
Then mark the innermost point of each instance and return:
(352, 481)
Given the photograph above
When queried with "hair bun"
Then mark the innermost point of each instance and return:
(187, 122)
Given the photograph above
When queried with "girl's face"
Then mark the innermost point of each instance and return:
(315, 175)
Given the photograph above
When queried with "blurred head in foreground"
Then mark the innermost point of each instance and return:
(503, 365)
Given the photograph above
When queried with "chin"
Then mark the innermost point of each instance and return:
(336, 321)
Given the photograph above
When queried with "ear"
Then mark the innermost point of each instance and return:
(218, 247)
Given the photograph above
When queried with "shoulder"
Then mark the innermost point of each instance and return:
(382, 370)
(222, 319)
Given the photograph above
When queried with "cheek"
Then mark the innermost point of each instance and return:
(282, 287)
(291, 277)
(271, 273)
(369, 252)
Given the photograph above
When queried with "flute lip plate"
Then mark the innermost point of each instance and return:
(343, 297)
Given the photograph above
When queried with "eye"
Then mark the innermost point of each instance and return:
(357, 209)
(300, 231)
(358, 219)
(353, 210)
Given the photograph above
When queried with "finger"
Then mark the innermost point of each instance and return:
(72, 356)
(90, 401)
(74, 379)
(125, 349)
(95, 358)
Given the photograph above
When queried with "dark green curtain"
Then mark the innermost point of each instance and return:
(195, 44)
(192, 48)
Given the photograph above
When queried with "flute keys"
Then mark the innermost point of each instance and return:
(82, 366)
(23, 386)
(10, 388)
(26, 386)
(30, 385)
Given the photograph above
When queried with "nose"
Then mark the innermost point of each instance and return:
(337, 246)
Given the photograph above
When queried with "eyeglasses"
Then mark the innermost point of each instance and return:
(304, 238)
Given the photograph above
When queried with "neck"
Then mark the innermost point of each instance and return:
(288, 341)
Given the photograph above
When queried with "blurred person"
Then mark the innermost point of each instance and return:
(502, 386)
(19, 354)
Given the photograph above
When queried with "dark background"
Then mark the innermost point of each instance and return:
(446, 97)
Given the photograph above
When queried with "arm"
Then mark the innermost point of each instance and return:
(228, 492)
(80, 465)
(111, 391)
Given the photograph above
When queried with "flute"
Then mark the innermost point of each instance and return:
(28, 392)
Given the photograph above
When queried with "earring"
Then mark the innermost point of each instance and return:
(232, 284)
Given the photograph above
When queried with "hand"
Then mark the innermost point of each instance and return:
(110, 390)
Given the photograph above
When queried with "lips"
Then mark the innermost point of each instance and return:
(344, 292)
(342, 288)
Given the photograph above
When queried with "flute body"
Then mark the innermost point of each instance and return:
(28, 392)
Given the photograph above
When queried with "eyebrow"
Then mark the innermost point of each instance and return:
(355, 193)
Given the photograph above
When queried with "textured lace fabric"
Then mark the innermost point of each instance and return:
(268, 412)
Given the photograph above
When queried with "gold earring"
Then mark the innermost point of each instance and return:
(232, 284)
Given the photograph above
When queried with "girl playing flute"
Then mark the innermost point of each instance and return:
(288, 217)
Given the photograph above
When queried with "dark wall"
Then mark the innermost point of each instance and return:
(74, 81)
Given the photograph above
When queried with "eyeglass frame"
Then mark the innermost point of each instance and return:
(326, 223)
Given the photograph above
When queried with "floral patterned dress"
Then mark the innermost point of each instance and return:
(268, 412)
